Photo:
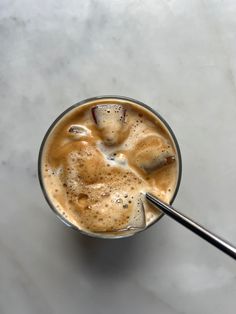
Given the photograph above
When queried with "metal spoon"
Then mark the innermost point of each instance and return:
(218, 242)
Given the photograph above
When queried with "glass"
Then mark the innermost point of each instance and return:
(98, 99)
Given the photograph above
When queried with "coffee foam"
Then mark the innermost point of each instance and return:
(100, 187)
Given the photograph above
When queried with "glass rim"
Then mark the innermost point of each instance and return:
(82, 102)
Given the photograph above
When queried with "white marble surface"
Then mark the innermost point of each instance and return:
(177, 56)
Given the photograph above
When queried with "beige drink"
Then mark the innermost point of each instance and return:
(98, 161)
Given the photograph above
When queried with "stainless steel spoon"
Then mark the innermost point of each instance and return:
(218, 242)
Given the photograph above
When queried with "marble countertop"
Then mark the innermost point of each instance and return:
(179, 58)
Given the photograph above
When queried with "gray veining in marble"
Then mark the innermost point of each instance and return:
(179, 58)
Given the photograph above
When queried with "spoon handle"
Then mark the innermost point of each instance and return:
(218, 242)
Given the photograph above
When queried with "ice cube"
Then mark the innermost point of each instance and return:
(152, 153)
(138, 218)
(110, 119)
(79, 130)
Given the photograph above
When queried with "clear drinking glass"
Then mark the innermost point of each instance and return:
(96, 100)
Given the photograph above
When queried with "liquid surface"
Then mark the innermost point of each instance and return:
(101, 158)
